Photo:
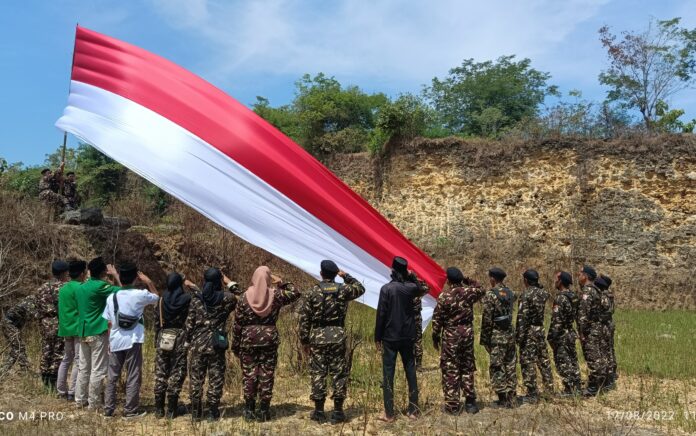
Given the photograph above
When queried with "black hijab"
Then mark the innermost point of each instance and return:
(212, 287)
(174, 299)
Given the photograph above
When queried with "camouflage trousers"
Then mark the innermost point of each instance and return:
(170, 370)
(16, 351)
(328, 360)
(503, 367)
(533, 355)
(596, 356)
(258, 372)
(566, 359)
(418, 345)
(458, 365)
(212, 364)
(52, 348)
(53, 200)
(609, 331)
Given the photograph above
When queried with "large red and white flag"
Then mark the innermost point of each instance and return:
(216, 155)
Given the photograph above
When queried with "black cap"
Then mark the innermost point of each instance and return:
(601, 284)
(44, 171)
(97, 266)
(70, 173)
(76, 267)
(606, 279)
(454, 275)
(58, 267)
(590, 272)
(400, 265)
(329, 267)
(531, 275)
(497, 274)
(127, 271)
(212, 275)
(566, 278)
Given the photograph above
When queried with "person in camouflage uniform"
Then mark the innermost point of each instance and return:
(47, 314)
(322, 319)
(256, 339)
(206, 338)
(591, 331)
(453, 334)
(418, 344)
(12, 324)
(607, 298)
(49, 187)
(531, 338)
(170, 365)
(72, 198)
(562, 335)
(498, 338)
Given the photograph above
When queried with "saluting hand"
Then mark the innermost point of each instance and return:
(341, 274)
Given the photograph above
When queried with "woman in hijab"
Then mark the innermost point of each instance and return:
(170, 358)
(256, 338)
(206, 335)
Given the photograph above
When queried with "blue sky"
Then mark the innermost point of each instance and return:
(261, 47)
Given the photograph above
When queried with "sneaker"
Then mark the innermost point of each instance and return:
(139, 413)
(471, 408)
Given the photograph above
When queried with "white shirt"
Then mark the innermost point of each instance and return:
(131, 302)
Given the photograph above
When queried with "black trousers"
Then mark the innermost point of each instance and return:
(389, 353)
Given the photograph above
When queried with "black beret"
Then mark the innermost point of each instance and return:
(58, 267)
(70, 173)
(531, 275)
(76, 267)
(329, 267)
(454, 275)
(601, 284)
(566, 278)
(590, 272)
(212, 275)
(497, 273)
(606, 279)
(96, 267)
(399, 264)
(127, 268)
(44, 171)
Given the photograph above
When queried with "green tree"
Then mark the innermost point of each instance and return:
(101, 178)
(650, 66)
(484, 98)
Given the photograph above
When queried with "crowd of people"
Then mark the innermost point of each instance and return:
(91, 317)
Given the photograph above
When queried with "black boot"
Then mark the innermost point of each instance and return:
(249, 410)
(196, 410)
(591, 391)
(264, 411)
(213, 413)
(318, 414)
(175, 409)
(470, 406)
(159, 406)
(532, 397)
(338, 415)
(511, 400)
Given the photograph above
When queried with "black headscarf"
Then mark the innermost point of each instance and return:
(174, 299)
(212, 287)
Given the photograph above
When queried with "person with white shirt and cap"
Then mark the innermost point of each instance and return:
(124, 311)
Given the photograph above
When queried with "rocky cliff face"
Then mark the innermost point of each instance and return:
(627, 207)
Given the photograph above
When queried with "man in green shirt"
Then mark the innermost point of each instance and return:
(68, 322)
(94, 345)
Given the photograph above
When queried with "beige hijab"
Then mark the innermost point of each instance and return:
(260, 294)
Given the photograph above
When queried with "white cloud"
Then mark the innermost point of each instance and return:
(381, 39)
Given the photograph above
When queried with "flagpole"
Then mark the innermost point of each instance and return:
(65, 134)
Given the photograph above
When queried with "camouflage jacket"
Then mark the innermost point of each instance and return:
(418, 307)
(455, 308)
(70, 191)
(563, 314)
(203, 322)
(19, 313)
(589, 309)
(252, 331)
(47, 305)
(607, 306)
(51, 183)
(495, 330)
(326, 305)
(530, 312)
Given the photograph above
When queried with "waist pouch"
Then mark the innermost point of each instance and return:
(327, 335)
(503, 322)
(220, 342)
(127, 322)
(167, 339)
(257, 336)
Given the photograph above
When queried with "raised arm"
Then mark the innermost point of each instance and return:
(287, 294)
(351, 288)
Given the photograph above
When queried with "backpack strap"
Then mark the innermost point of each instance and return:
(161, 320)
(115, 305)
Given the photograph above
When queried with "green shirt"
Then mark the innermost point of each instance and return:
(68, 315)
(91, 300)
